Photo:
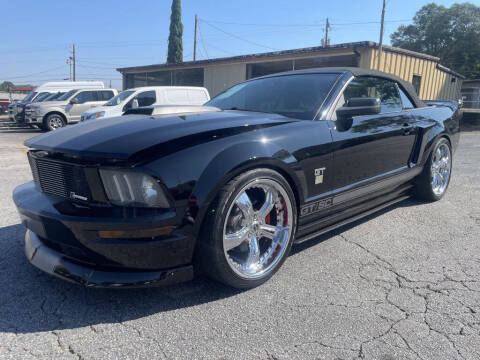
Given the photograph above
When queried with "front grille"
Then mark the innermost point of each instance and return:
(59, 178)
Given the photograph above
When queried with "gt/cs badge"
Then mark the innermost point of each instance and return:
(319, 175)
(316, 206)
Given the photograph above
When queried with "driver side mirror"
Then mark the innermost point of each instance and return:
(74, 101)
(134, 104)
(359, 106)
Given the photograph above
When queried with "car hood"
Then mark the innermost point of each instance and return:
(135, 137)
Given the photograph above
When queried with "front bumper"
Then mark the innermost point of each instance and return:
(33, 118)
(56, 264)
(81, 243)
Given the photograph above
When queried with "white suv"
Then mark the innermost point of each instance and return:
(67, 108)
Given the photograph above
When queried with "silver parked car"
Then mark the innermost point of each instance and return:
(67, 108)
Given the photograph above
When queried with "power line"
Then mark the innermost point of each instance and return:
(219, 49)
(301, 25)
(203, 42)
(33, 74)
(238, 37)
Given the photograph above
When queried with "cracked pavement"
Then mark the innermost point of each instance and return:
(400, 284)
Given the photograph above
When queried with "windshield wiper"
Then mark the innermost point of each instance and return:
(238, 109)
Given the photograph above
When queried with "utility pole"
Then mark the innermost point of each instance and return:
(380, 43)
(326, 40)
(195, 39)
(73, 60)
(69, 62)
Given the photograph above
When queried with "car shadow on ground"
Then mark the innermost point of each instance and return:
(32, 301)
(21, 131)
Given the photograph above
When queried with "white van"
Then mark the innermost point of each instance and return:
(16, 110)
(147, 96)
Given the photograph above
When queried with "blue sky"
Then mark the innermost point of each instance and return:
(109, 34)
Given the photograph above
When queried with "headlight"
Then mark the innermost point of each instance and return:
(95, 115)
(127, 188)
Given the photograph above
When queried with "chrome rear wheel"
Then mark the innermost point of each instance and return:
(257, 228)
(441, 169)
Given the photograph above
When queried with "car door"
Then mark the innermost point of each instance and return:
(368, 148)
(82, 101)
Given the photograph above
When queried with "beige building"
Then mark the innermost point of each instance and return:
(428, 76)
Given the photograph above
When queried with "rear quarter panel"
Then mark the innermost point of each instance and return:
(435, 122)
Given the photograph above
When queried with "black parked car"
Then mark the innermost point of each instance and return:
(144, 200)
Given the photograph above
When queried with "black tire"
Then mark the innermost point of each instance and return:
(53, 122)
(424, 189)
(211, 257)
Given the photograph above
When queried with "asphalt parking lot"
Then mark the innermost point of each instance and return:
(402, 284)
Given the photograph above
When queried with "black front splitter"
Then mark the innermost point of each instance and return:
(56, 264)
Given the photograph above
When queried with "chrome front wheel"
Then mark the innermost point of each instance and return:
(54, 122)
(248, 230)
(258, 227)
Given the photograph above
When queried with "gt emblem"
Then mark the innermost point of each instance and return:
(319, 175)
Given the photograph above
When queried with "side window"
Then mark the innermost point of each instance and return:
(104, 95)
(370, 86)
(146, 98)
(86, 96)
(407, 104)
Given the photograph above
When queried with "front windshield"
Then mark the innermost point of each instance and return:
(117, 100)
(66, 95)
(53, 96)
(30, 96)
(42, 96)
(298, 95)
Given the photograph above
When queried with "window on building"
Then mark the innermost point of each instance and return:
(188, 77)
(417, 83)
(159, 78)
(266, 68)
(181, 77)
(370, 86)
(135, 80)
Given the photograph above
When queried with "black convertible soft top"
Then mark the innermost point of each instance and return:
(355, 71)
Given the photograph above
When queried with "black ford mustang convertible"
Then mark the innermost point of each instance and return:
(144, 200)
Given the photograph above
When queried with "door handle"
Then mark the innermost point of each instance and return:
(407, 129)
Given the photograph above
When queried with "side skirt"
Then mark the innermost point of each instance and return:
(349, 220)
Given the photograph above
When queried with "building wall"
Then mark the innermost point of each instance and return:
(218, 78)
(436, 84)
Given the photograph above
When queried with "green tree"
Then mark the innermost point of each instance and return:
(6, 85)
(452, 34)
(175, 46)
